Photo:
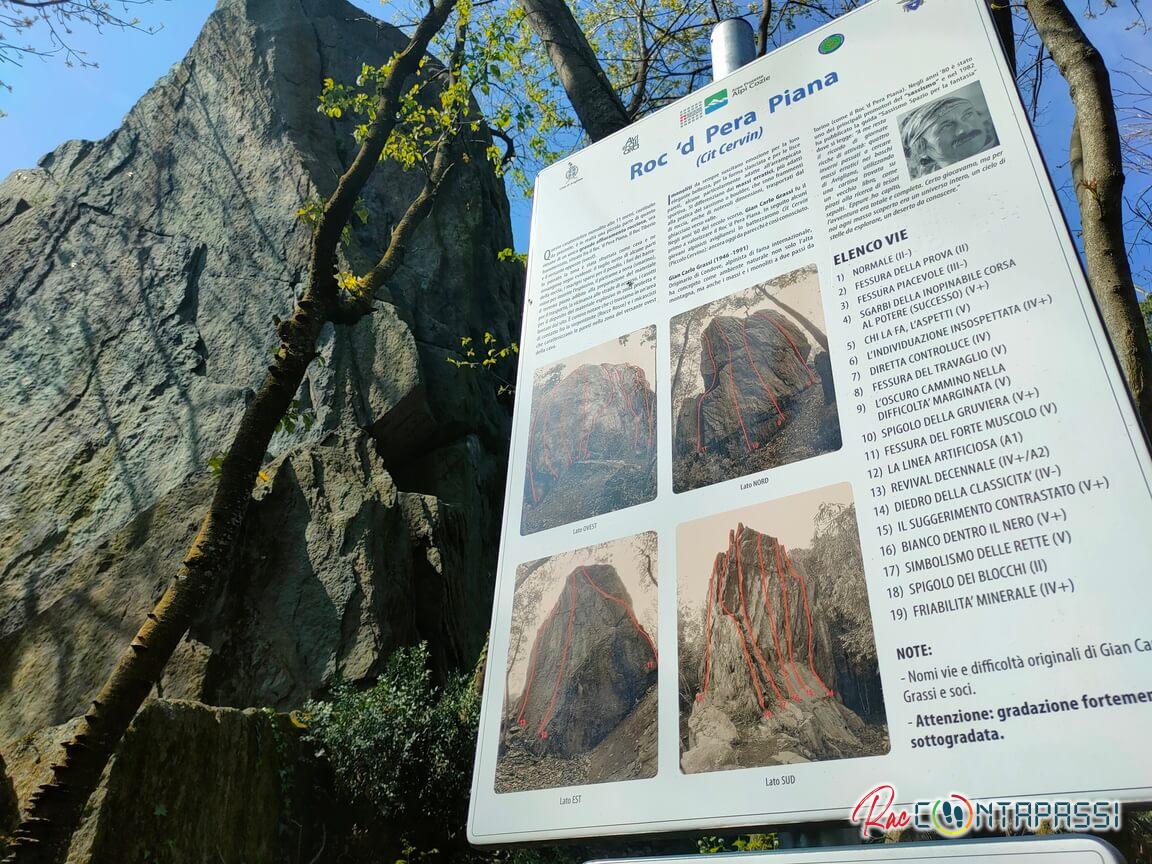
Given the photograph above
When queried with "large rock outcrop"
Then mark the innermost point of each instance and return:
(776, 647)
(591, 662)
(189, 783)
(754, 370)
(592, 446)
(138, 279)
(587, 712)
(766, 398)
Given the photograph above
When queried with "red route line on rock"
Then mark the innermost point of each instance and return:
(618, 387)
(795, 351)
(541, 732)
(520, 721)
(717, 582)
(787, 624)
(748, 442)
(772, 615)
(583, 429)
(546, 719)
(700, 447)
(599, 411)
(748, 621)
(617, 378)
(631, 615)
(708, 634)
(780, 418)
(808, 615)
(531, 470)
(740, 632)
(649, 418)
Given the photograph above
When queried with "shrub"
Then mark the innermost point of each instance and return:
(744, 843)
(401, 749)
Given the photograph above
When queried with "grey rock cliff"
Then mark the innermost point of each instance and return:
(754, 369)
(138, 278)
(189, 783)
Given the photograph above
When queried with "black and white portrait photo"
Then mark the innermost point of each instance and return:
(947, 130)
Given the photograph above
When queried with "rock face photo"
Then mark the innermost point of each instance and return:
(580, 705)
(592, 440)
(777, 655)
(752, 383)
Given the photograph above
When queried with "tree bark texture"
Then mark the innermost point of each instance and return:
(1098, 175)
(597, 104)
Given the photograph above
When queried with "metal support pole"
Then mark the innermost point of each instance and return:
(733, 45)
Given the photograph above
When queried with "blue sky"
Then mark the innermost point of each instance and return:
(50, 103)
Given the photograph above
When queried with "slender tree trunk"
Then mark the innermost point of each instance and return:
(1098, 176)
(762, 28)
(596, 102)
(814, 331)
(56, 807)
(680, 359)
(1002, 17)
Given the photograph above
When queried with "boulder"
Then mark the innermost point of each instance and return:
(138, 279)
(591, 664)
(591, 446)
(753, 371)
(188, 783)
(764, 647)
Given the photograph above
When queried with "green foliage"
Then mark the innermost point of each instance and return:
(313, 209)
(512, 255)
(494, 352)
(403, 748)
(433, 106)
(745, 843)
(216, 464)
(294, 417)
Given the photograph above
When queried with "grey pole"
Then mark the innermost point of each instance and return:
(733, 45)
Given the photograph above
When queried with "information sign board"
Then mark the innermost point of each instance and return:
(822, 474)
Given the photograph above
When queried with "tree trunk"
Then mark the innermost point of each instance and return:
(56, 807)
(1098, 176)
(597, 105)
(680, 359)
(1002, 17)
(814, 331)
(762, 28)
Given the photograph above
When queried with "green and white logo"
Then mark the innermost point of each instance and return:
(716, 101)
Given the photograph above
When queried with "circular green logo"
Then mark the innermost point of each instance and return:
(831, 43)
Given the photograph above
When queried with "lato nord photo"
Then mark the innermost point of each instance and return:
(752, 382)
